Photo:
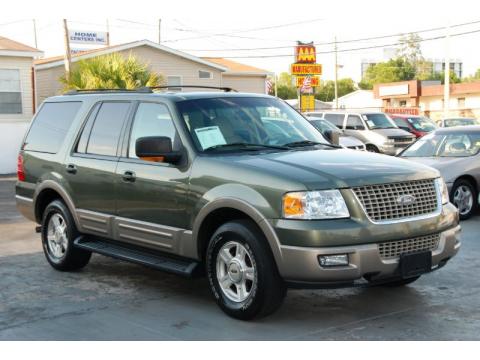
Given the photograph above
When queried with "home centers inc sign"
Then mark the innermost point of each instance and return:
(306, 71)
(88, 37)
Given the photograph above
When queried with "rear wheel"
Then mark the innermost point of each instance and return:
(58, 234)
(372, 148)
(242, 273)
(464, 197)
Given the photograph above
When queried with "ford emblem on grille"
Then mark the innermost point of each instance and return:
(406, 200)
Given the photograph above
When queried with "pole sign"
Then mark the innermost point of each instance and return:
(306, 71)
(87, 37)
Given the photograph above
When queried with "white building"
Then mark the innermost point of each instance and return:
(360, 100)
(17, 103)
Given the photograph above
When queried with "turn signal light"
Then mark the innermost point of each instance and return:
(292, 204)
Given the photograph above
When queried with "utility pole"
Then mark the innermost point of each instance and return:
(35, 33)
(68, 55)
(446, 86)
(336, 74)
(159, 31)
(108, 33)
(275, 84)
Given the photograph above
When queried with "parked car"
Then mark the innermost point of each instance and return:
(460, 121)
(417, 125)
(455, 153)
(326, 128)
(207, 183)
(375, 129)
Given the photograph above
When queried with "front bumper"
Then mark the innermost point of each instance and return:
(300, 265)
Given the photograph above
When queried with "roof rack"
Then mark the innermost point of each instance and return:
(224, 88)
(93, 91)
(144, 89)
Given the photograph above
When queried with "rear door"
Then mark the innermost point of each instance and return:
(90, 168)
(151, 195)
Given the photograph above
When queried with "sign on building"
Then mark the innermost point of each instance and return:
(88, 37)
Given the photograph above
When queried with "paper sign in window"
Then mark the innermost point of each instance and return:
(210, 136)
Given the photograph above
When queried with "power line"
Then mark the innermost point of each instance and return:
(343, 41)
(352, 49)
(231, 33)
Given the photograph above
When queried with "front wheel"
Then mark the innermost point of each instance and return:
(464, 197)
(372, 148)
(242, 273)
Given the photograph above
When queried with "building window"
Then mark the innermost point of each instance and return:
(202, 74)
(173, 81)
(10, 92)
(403, 103)
(461, 103)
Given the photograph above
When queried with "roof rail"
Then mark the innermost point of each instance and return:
(94, 91)
(224, 88)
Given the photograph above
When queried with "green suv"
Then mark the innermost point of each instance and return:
(237, 187)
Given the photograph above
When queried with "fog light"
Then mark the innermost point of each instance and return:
(333, 260)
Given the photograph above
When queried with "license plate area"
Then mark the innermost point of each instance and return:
(416, 264)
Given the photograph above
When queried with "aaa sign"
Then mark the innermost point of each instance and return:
(306, 69)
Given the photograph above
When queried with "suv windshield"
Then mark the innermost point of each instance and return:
(240, 123)
(460, 122)
(379, 121)
(445, 145)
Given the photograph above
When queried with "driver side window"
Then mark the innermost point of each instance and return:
(152, 119)
(354, 123)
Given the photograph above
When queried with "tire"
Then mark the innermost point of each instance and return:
(58, 225)
(464, 196)
(256, 288)
(372, 148)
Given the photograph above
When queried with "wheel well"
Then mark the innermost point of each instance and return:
(470, 179)
(212, 222)
(43, 199)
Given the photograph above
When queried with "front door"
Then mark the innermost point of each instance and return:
(151, 195)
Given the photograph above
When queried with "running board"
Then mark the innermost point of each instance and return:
(158, 261)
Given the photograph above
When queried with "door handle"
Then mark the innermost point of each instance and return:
(71, 168)
(129, 176)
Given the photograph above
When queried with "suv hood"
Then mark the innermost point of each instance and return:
(393, 132)
(332, 168)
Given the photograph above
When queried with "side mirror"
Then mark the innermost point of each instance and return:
(332, 136)
(156, 148)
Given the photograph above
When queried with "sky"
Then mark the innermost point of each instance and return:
(214, 28)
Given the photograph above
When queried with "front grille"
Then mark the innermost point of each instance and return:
(402, 139)
(383, 202)
(394, 249)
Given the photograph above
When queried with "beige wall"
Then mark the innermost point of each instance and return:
(251, 84)
(432, 106)
(159, 61)
(24, 64)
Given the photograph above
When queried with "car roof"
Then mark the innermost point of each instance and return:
(458, 130)
(171, 95)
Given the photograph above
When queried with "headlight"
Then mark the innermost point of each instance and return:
(443, 190)
(310, 205)
(389, 141)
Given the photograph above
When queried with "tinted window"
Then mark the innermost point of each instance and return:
(106, 128)
(354, 123)
(335, 119)
(152, 120)
(50, 126)
(82, 143)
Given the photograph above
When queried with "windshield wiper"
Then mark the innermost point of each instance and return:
(247, 146)
(302, 143)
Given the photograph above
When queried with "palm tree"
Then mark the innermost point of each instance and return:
(111, 71)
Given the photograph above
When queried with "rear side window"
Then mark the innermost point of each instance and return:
(106, 129)
(50, 126)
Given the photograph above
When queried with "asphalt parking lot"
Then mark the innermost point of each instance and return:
(113, 300)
